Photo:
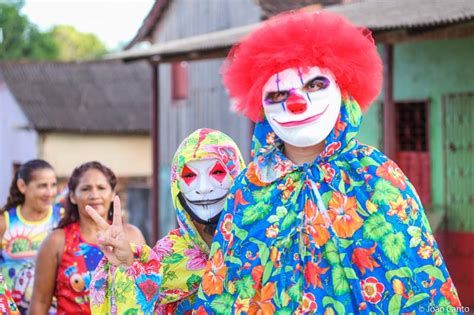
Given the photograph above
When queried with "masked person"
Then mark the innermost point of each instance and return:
(164, 279)
(320, 223)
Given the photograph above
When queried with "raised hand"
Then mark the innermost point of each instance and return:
(112, 239)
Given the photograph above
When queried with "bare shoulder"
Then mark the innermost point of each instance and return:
(55, 242)
(134, 234)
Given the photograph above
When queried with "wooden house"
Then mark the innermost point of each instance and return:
(71, 113)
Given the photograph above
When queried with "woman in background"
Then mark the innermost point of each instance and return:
(25, 221)
(70, 254)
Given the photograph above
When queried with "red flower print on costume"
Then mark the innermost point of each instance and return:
(362, 258)
(213, 279)
(226, 226)
(399, 208)
(330, 149)
(372, 290)
(262, 302)
(272, 231)
(257, 274)
(450, 293)
(144, 268)
(149, 288)
(328, 172)
(315, 224)
(253, 175)
(281, 166)
(391, 172)
(287, 189)
(239, 199)
(362, 306)
(339, 126)
(309, 303)
(343, 214)
(312, 274)
(201, 311)
(425, 251)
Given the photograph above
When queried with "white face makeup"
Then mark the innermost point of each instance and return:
(302, 107)
(205, 185)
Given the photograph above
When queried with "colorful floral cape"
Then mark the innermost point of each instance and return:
(345, 234)
(164, 279)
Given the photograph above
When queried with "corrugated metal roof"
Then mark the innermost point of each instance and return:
(378, 15)
(273, 7)
(391, 14)
(104, 96)
(204, 42)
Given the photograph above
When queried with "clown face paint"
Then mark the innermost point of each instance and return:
(205, 184)
(302, 107)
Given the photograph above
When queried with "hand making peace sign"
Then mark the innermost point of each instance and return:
(112, 238)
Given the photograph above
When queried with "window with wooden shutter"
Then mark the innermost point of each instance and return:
(413, 155)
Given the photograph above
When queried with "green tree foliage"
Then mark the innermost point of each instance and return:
(74, 45)
(22, 39)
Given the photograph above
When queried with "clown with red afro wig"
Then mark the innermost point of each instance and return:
(303, 40)
(318, 221)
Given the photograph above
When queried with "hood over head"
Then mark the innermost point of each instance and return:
(202, 144)
(270, 164)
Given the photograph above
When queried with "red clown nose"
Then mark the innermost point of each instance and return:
(296, 104)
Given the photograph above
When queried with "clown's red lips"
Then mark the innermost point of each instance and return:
(305, 121)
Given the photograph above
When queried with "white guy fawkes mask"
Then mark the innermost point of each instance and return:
(302, 107)
(205, 185)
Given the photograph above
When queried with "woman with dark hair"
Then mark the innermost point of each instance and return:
(70, 254)
(25, 221)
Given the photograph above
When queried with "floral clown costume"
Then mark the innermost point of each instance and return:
(165, 278)
(345, 234)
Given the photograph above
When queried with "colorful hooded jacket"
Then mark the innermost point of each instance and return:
(346, 234)
(164, 279)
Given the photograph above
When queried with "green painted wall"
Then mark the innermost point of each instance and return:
(428, 70)
(371, 129)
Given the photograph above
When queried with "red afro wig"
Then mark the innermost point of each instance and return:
(302, 39)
